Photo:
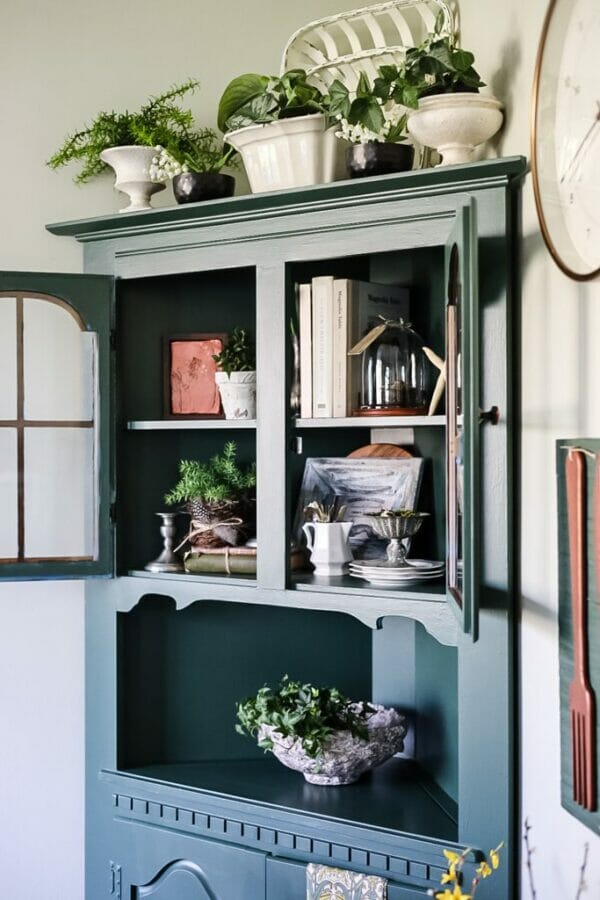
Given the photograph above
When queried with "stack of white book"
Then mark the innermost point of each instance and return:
(333, 314)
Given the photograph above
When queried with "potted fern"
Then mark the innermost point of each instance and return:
(219, 496)
(236, 376)
(137, 145)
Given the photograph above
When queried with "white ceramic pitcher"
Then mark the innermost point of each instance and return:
(329, 546)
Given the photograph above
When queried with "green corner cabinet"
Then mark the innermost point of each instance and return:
(178, 806)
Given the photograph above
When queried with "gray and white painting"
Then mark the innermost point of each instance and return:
(364, 486)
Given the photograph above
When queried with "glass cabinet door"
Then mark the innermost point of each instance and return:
(462, 420)
(54, 425)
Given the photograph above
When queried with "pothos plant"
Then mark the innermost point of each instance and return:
(238, 354)
(301, 711)
(257, 99)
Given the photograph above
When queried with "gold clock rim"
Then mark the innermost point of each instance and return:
(577, 276)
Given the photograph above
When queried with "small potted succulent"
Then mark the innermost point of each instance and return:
(438, 81)
(236, 376)
(281, 127)
(320, 732)
(219, 496)
(374, 125)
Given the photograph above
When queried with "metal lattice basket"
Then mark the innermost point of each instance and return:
(361, 40)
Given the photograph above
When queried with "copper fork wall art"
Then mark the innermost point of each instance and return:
(578, 470)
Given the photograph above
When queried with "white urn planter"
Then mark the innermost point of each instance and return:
(132, 165)
(288, 153)
(455, 124)
(238, 394)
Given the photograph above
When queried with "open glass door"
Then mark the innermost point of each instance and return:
(462, 420)
(55, 457)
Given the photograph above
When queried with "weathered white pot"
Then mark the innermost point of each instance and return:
(238, 394)
(288, 153)
(132, 165)
(345, 757)
(455, 124)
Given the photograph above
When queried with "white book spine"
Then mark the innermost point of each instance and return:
(305, 327)
(322, 303)
(340, 347)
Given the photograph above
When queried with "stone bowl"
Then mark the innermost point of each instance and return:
(345, 757)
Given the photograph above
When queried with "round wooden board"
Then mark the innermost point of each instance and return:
(382, 450)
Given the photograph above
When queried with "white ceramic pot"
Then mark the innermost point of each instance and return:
(329, 546)
(238, 394)
(289, 153)
(455, 124)
(132, 165)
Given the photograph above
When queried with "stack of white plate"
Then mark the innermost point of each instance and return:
(383, 573)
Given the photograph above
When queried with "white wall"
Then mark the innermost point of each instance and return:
(59, 64)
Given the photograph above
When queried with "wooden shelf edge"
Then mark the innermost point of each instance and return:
(188, 424)
(372, 422)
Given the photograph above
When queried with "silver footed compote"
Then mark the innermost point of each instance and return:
(396, 525)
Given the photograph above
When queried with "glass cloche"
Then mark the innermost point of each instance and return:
(395, 373)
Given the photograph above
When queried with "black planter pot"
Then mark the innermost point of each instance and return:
(374, 158)
(190, 187)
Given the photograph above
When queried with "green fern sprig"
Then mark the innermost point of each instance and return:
(221, 478)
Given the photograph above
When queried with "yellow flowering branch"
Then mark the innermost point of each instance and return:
(453, 876)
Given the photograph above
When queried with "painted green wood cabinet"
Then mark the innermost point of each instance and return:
(178, 805)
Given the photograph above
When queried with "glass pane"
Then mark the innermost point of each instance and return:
(8, 358)
(60, 511)
(58, 360)
(9, 547)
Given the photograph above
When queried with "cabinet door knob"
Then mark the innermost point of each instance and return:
(490, 416)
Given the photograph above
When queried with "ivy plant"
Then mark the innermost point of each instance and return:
(256, 99)
(219, 478)
(238, 354)
(437, 66)
(302, 711)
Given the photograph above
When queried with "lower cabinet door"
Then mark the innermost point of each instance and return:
(159, 865)
(286, 880)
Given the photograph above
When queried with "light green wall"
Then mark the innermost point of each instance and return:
(59, 64)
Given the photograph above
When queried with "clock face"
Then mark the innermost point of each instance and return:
(566, 136)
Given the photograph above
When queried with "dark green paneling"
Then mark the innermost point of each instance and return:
(148, 468)
(150, 309)
(92, 296)
(181, 672)
(436, 703)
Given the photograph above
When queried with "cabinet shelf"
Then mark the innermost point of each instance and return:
(372, 801)
(372, 422)
(189, 424)
(366, 603)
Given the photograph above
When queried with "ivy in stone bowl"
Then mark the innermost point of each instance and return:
(302, 711)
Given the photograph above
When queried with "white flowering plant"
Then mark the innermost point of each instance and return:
(365, 114)
(192, 151)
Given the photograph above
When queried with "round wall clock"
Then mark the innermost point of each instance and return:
(565, 139)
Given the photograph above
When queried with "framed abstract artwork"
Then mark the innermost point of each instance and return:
(190, 389)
